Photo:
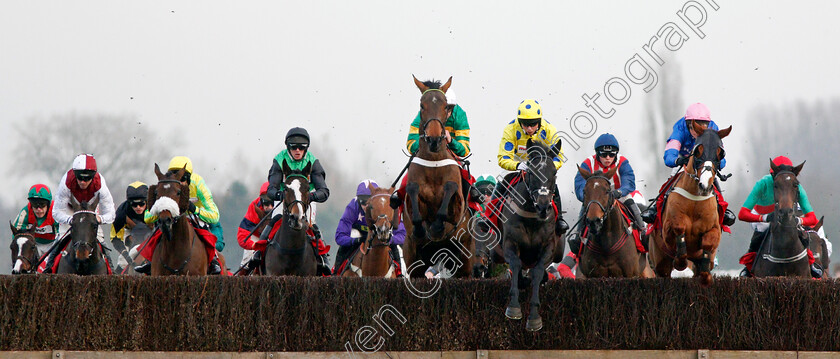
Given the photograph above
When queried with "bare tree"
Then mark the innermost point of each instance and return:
(664, 106)
(123, 146)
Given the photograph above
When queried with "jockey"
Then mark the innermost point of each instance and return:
(624, 182)
(485, 185)
(297, 156)
(353, 229)
(204, 213)
(513, 155)
(84, 183)
(678, 150)
(758, 209)
(129, 224)
(37, 214)
(458, 142)
(247, 236)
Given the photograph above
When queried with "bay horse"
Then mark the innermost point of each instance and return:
(83, 255)
(782, 252)
(818, 246)
(373, 259)
(610, 249)
(435, 205)
(181, 252)
(690, 221)
(289, 252)
(24, 251)
(528, 233)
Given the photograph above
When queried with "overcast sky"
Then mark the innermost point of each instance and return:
(234, 76)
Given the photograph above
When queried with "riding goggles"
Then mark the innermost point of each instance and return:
(84, 175)
(137, 203)
(298, 146)
(529, 122)
(363, 200)
(39, 203)
(607, 153)
(266, 202)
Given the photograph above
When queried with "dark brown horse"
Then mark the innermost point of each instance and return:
(83, 255)
(290, 251)
(529, 237)
(690, 222)
(180, 252)
(610, 249)
(373, 259)
(818, 246)
(24, 251)
(435, 206)
(782, 252)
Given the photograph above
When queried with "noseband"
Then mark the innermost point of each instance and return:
(609, 206)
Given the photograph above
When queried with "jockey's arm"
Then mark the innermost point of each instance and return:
(207, 211)
(580, 182)
(672, 152)
(22, 219)
(628, 178)
(756, 196)
(551, 133)
(275, 180)
(399, 235)
(106, 203)
(318, 177)
(345, 224)
(507, 150)
(61, 206)
(809, 219)
(411, 144)
(460, 144)
(118, 227)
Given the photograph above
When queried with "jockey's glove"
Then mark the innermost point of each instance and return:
(769, 217)
(192, 208)
(522, 166)
(681, 160)
(616, 193)
(317, 197)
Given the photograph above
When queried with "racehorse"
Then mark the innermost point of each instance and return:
(435, 205)
(181, 252)
(289, 252)
(610, 249)
(818, 246)
(83, 255)
(24, 251)
(782, 252)
(373, 259)
(690, 220)
(528, 233)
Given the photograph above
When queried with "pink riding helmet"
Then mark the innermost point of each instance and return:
(698, 111)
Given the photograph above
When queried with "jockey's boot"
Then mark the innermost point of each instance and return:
(267, 230)
(324, 264)
(50, 262)
(574, 243)
(145, 268)
(728, 218)
(745, 273)
(637, 215)
(650, 214)
(561, 227)
(256, 260)
(816, 271)
(213, 267)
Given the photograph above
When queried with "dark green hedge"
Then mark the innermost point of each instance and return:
(294, 314)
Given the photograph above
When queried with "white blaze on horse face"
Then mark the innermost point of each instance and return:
(706, 177)
(295, 186)
(18, 262)
(165, 204)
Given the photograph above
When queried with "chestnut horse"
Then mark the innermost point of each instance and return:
(83, 256)
(690, 222)
(180, 252)
(610, 249)
(435, 205)
(373, 259)
(528, 233)
(289, 252)
(782, 252)
(24, 251)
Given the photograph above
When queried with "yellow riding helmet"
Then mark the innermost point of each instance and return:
(529, 110)
(178, 162)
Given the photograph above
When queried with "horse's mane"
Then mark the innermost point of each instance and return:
(432, 84)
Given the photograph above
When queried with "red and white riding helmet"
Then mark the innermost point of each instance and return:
(84, 162)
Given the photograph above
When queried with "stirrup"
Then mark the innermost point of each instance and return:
(214, 267)
(745, 273)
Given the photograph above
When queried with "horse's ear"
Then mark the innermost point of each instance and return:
(74, 204)
(286, 169)
(689, 167)
(724, 132)
(697, 129)
(583, 172)
(529, 143)
(184, 201)
(419, 84)
(555, 150)
(798, 168)
(819, 224)
(91, 206)
(308, 169)
(446, 85)
(180, 173)
(773, 167)
(14, 230)
(611, 172)
(159, 174)
(151, 197)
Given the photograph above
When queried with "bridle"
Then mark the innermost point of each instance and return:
(175, 219)
(182, 210)
(29, 261)
(374, 229)
(288, 206)
(534, 193)
(611, 200)
(422, 129)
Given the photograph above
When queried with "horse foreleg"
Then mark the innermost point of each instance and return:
(534, 320)
(413, 191)
(680, 260)
(709, 243)
(513, 310)
(449, 189)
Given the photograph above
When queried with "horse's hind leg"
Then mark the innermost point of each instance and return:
(413, 191)
(513, 310)
(449, 189)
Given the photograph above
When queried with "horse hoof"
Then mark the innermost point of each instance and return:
(515, 313)
(534, 325)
